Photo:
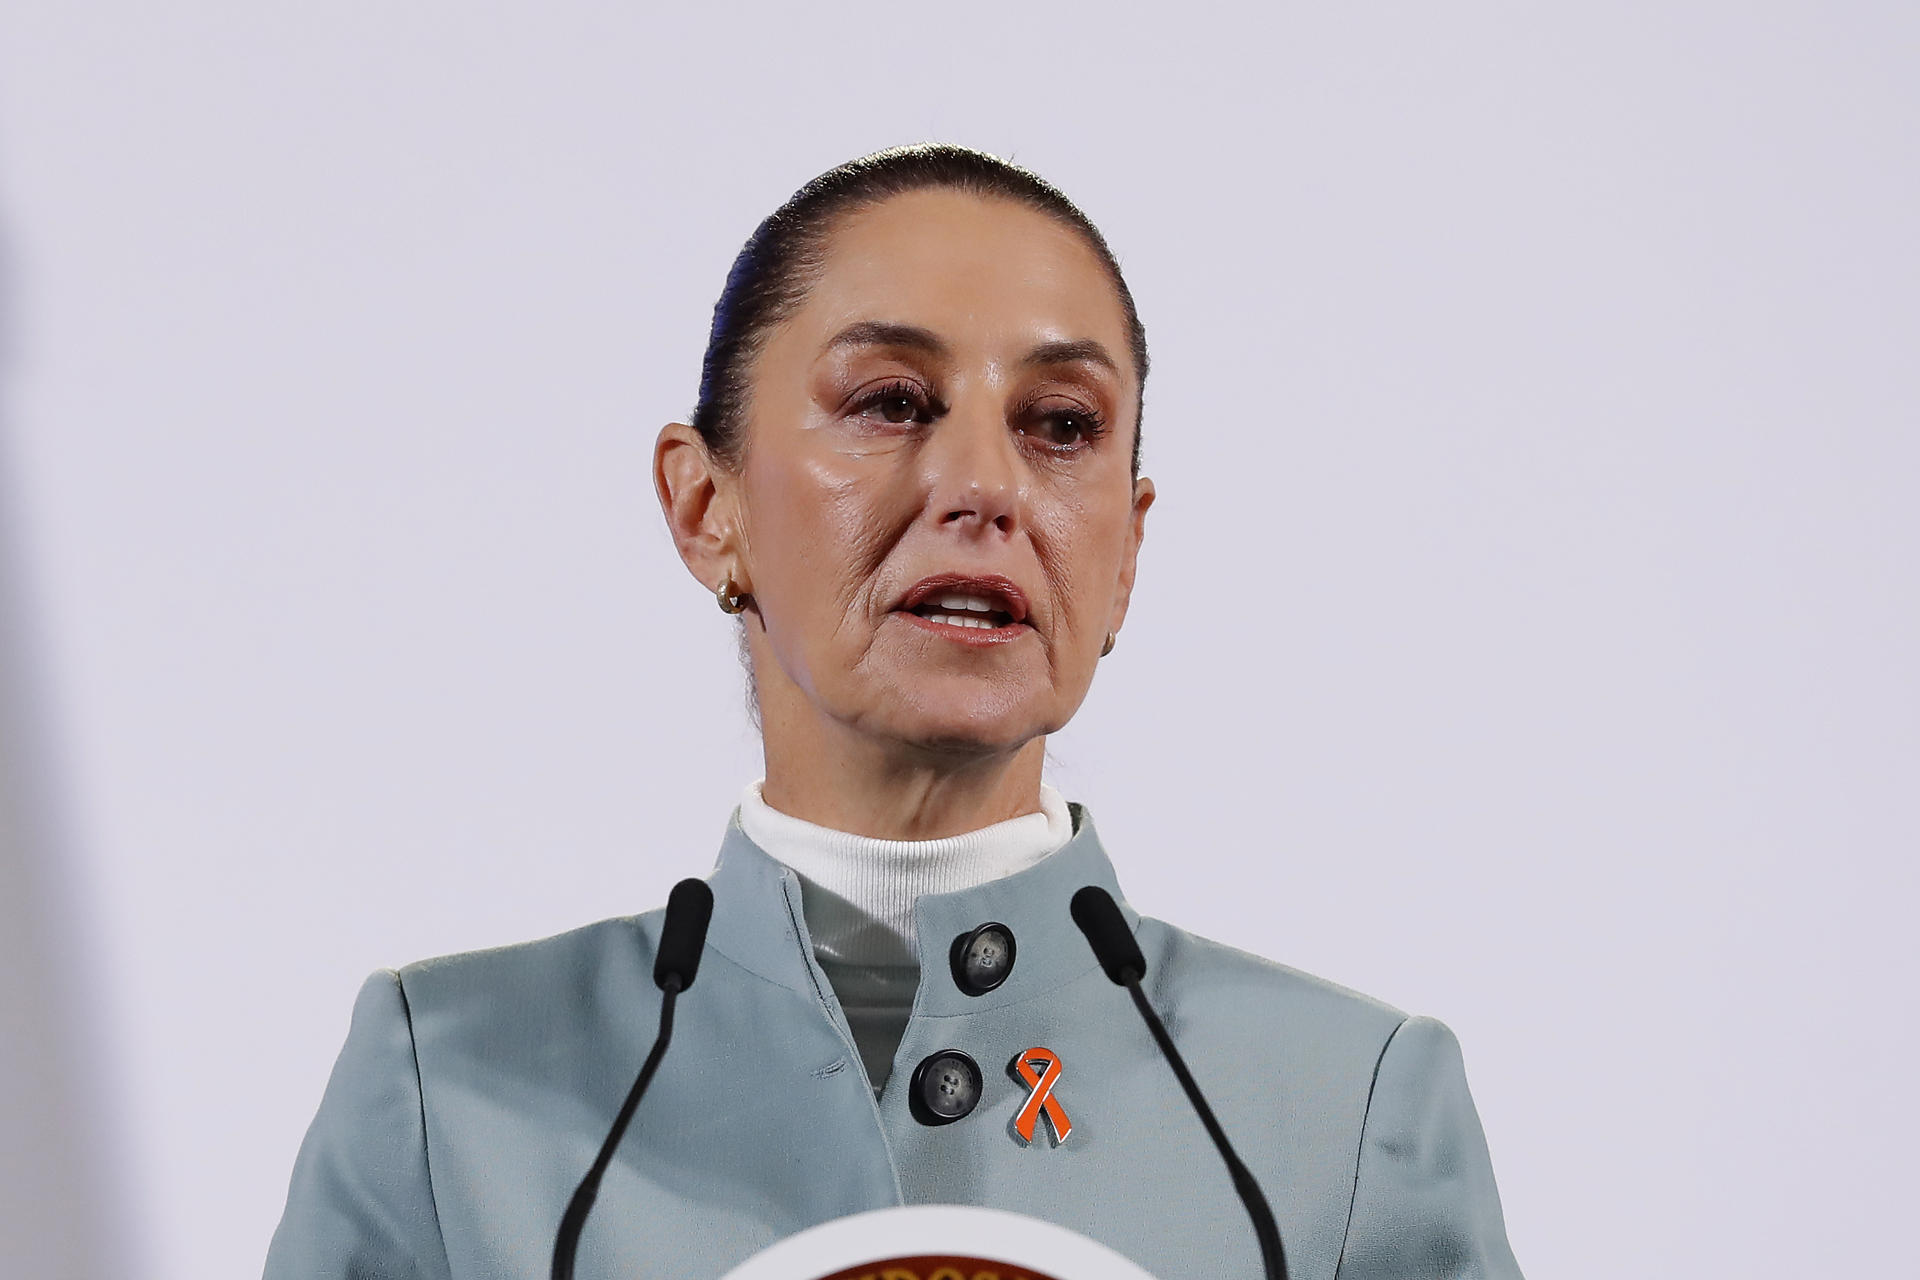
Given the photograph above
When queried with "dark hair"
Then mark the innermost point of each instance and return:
(781, 260)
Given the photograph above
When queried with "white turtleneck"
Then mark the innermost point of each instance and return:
(858, 893)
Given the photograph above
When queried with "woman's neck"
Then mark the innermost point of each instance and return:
(893, 794)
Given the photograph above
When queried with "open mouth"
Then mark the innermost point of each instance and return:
(958, 610)
(966, 608)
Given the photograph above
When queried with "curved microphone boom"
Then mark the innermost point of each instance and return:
(683, 936)
(1095, 911)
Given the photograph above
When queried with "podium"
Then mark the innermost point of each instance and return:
(937, 1242)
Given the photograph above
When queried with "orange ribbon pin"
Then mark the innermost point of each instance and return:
(1040, 1068)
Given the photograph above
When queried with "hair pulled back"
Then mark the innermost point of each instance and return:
(782, 259)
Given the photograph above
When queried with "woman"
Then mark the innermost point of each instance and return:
(914, 474)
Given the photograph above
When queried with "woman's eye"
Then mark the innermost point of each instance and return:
(1066, 429)
(898, 405)
(898, 409)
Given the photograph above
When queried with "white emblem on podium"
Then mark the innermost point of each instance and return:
(943, 1240)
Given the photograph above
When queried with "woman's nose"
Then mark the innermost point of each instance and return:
(973, 472)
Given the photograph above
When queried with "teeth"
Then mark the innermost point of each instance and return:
(959, 619)
(970, 604)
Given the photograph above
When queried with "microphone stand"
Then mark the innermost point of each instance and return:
(683, 934)
(1098, 916)
(1271, 1251)
(567, 1242)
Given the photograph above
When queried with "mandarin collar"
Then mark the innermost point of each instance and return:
(759, 924)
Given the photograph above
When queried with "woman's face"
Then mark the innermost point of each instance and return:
(935, 515)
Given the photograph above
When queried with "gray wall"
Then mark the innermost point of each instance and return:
(62, 1208)
(1533, 412)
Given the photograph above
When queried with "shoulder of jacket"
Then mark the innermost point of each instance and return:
(1191, 959)
(537, 965)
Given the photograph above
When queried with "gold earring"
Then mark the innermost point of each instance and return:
(730, 597)
(1108, 647)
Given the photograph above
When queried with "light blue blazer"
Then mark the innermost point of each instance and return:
(475, 1089)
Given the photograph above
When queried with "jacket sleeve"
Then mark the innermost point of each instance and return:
(1424, 1201)
(360, 1205)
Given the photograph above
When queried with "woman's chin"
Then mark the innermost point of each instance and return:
(988, 724)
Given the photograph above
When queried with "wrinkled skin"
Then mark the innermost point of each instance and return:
(874, 464)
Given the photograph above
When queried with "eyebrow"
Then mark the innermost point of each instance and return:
(881, 333)
(1084, 351)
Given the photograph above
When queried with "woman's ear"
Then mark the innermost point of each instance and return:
(697, 497)
(1130, 557)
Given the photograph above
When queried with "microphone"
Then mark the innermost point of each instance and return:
(683, 936)
(1119, 954)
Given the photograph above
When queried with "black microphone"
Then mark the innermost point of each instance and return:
(1113, 945)
(683, 936)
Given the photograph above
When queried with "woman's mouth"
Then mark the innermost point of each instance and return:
(984, 610)
(965, 627)
(963, 611)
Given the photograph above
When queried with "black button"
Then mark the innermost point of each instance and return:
(982, 959)
(946, 1087)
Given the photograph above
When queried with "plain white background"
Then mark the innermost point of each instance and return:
(1525, 635)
